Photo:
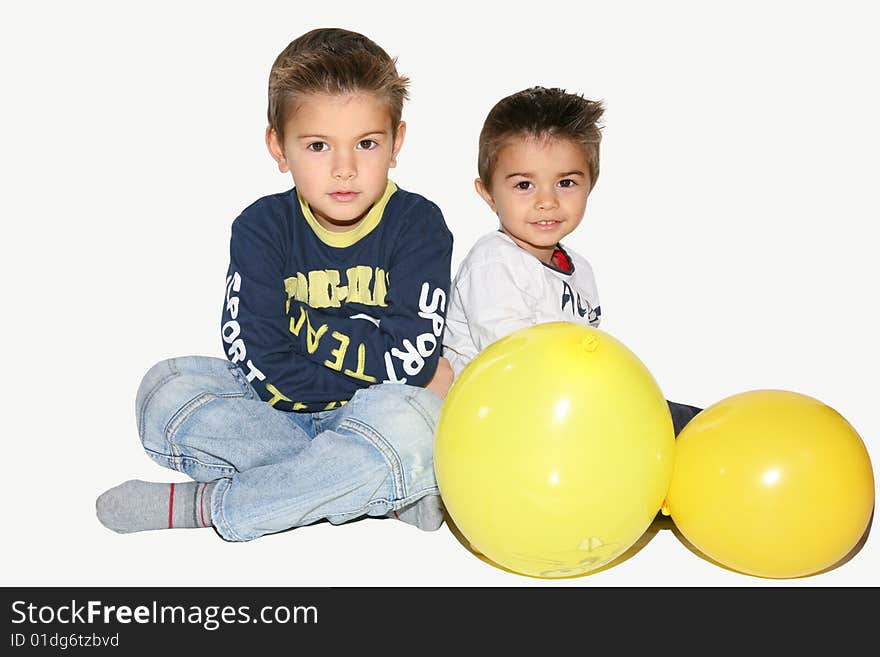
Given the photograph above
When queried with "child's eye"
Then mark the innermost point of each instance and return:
(318, 146)
(523, 184)
(567, 182)
(367, 144)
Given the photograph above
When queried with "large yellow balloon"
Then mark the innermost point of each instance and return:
(771, 483)
(554, 450)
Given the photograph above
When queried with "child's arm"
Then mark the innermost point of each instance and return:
(255, 326)
(442, 380)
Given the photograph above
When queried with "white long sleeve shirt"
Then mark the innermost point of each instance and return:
(500, 288)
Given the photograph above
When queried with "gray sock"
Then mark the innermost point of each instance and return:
(426, 513)
(137, 505)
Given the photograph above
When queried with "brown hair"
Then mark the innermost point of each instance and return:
(539, 113)
(332, 61)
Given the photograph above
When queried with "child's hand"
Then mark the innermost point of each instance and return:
(442, 380)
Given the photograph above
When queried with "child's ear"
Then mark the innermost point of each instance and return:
(485, 194)
(276, 150)
(399, 134)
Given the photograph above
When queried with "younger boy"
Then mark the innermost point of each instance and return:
(538, 160)
(333, 313)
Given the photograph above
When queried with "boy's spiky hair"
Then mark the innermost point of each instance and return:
(333, 61)
(539, 112)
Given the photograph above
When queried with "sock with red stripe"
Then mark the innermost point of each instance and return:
(136, 505)
(426, 513)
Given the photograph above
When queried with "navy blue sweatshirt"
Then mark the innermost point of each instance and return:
(311, 316)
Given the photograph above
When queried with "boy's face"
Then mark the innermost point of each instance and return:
(539, 191)
(338, 149)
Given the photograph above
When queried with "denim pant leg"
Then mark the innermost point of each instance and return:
(681, 415)
(200, 416)
(373, 455)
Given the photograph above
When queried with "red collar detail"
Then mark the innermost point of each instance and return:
(561, 261)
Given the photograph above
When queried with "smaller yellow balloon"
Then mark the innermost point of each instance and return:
(771, 483)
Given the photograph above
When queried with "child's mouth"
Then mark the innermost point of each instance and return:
(344, 197)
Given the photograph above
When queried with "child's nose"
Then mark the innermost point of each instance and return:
(344, 167)
(546, 201)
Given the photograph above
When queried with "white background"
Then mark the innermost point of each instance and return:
(733, 232)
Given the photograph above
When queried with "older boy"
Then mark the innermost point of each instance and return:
(538, 161)
(333, 314)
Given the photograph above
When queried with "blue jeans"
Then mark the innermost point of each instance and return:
(681, 415)
(276, 470)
